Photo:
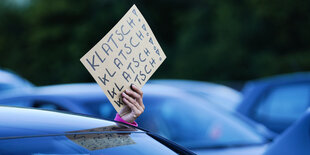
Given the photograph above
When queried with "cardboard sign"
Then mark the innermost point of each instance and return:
(128, 54)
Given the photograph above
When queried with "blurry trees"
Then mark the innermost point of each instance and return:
(203, 40)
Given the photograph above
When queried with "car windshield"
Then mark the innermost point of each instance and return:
(98, 143)
(192, 123)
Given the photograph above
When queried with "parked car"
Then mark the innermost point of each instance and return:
(10, 80)
(222, 95)
(182, 117)
(278, 101)
(295, 140)
(34, 131)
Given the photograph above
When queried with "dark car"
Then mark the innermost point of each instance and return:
(278, 101)
(204, 127)
(34, 131)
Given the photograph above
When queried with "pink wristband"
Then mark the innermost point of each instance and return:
(119, 119)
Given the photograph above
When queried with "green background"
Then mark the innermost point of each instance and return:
(220, 41)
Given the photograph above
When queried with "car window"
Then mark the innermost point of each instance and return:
(193, 124)
(101, 108)
(105, 143)
(283, 103)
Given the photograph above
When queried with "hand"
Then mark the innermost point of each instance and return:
(134, 104)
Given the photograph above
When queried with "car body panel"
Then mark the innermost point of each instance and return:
(295, 140)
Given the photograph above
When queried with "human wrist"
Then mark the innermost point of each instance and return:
(128, 119)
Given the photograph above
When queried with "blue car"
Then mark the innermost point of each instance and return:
(294, 140)
(278, 101)
(10, 80)
(221, 95)
(34, 131)
(175, 114)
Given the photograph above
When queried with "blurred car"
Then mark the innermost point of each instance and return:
(222, 95)
(295, 140)
(10, 80)
(278, 101)
(33, 131)
(182, 117)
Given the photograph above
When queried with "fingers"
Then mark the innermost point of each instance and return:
(137, 94)
(130, 105)
(134, 104)
(132, 100)
(136, 89)
(133, 94)
(136, 111)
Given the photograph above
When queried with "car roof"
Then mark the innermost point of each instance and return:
(278, 79)
(21, 122)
